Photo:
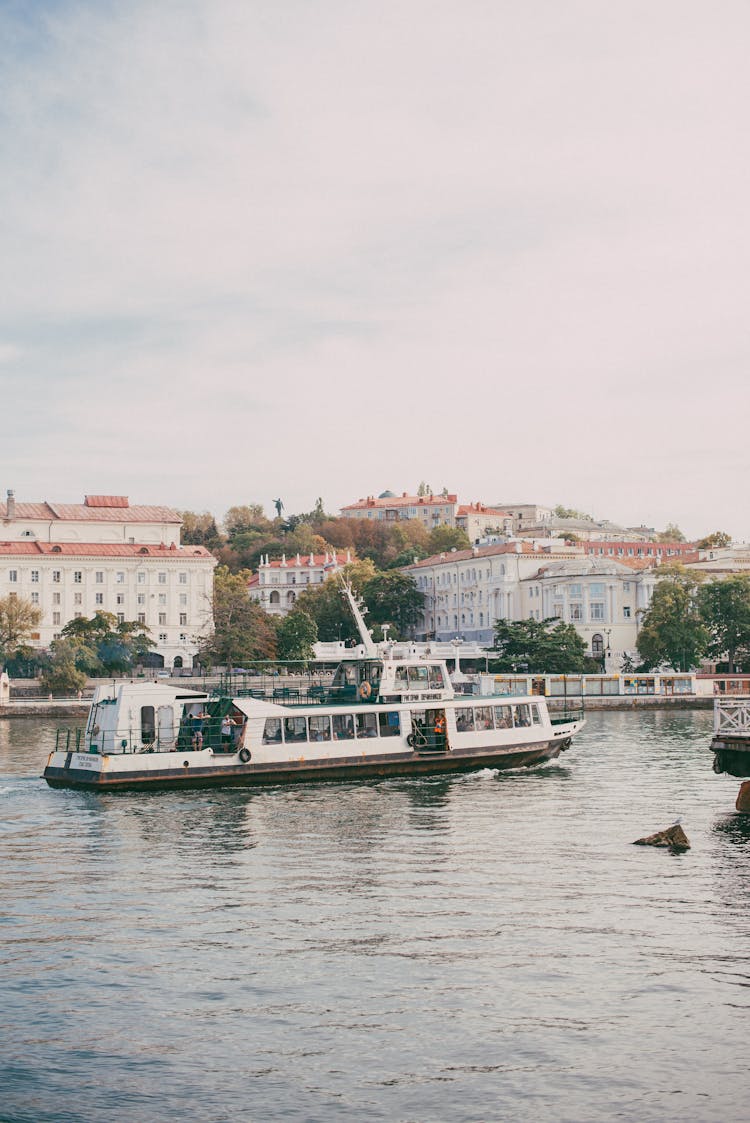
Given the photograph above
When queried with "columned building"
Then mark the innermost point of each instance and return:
(468, 591)
(73, 560)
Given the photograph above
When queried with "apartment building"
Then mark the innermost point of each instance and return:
(72, 560)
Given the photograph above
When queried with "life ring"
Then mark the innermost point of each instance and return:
(365, 691)
(410, 740)
(244, 755)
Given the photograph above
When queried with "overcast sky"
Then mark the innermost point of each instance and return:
(299, 249)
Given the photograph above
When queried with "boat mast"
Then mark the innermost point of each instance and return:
(358, 609)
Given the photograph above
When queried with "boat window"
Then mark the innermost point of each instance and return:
(295, 729)
(367, 725)
(389, 724)
(344, 675)
(521, 716)
(148, 725)
(536, 718)
(418, 677)
(464, 719)
(343, 727)
(373, 672)
(503, 717)
(401, 676)
(437, 681)
(272, 731)
(483, 717)
(320, 728)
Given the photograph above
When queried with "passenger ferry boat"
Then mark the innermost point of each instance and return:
(386, 712)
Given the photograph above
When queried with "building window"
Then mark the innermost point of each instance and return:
(162, 637)
(576, 612)
(56, 576)
(55, 598)
(183, 578)
(183, 618)
(162, 598)
(120, 617)
(12, 596)
(35, 598)
(99, 598)
(55, 617)
(597, 610)
(76, 615)
(162, 578)
(141, 617)
(141, 578)
(162, 617)
(141, 598)
(183, 637)
(99, 576)
(78, 598)
(183, 598)
(13, 575)
(35, 577)
(120, 598)
(120, 578)
(77, 577)
(626, 611)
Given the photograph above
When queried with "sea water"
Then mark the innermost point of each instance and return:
(479, 947)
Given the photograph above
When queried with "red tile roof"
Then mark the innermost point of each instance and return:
(402, 501)
(98, 511)
(318, 559)
(106, 501)
(103, 550)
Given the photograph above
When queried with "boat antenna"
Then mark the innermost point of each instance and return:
(358, 608)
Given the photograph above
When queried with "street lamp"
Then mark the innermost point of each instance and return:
(606, 652)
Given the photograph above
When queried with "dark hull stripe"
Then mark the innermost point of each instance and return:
(345, 768)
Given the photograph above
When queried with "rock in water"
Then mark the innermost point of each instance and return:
(674, 837)
(743, 798)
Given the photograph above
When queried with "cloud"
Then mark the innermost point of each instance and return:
(328, 248)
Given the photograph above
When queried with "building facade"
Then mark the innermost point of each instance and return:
(468, 591)
(279, 581)
(73, 560)
(431, 510)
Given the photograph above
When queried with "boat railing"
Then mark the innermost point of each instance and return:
(571, 711)
(69, 740)
(732, 715)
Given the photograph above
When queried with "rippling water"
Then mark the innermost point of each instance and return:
(485, 947)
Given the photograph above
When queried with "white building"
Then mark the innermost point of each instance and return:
(430, 510)
(72, 560)
(479, 521)
(278, 582)
(603, 599)
(467, 591)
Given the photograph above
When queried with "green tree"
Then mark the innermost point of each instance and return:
(539, 647)
(18, 619)
(672, 630)
(570, 513)
(242, 632)
(297, 632)
(327, 606)
(715, 540)
(443, 539)
(200, 530)
(393, 598)
(671, 533)
(725, 609)
(103, 646)
(239, 519)
(61, 674)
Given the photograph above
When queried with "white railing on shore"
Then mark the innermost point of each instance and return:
(732, 715)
